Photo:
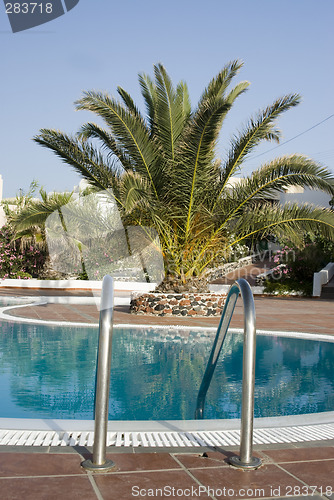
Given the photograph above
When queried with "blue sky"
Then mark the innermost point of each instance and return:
(286, 45)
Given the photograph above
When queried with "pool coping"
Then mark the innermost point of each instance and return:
(166, 425)
(42, 300)
(18, 319)
(27, 301)
(158, 435)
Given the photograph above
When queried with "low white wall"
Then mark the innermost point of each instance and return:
(76, 284)
(222, 271)
(224, 289)
(321, 278)
(2, 217)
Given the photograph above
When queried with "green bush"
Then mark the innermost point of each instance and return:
(17, 262)
(288, 287)
(295, 268)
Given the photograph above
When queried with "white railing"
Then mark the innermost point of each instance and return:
(321, 278)
(99, 462)
(241, 286)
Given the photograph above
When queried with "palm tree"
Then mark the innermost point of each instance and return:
(164, 172)
(28, 219)
(83, 232)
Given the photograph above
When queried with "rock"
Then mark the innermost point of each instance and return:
(177, 304)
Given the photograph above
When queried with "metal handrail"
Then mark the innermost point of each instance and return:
(246, 460)
(102, 383)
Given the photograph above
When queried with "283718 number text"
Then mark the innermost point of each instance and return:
(28, 8)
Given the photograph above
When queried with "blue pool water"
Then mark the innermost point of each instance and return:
(49, 372)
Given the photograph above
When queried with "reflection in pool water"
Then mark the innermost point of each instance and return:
(49, 372)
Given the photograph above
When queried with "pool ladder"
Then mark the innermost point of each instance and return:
(246, 460)
(102, 383)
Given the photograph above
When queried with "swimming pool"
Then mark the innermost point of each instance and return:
(49, 372)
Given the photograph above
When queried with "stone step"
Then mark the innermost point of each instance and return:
(327, 293)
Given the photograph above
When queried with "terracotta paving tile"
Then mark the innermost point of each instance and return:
(292, 314)
(140, 474)
(54, 488)
(267, 481)
(129, 486)
(301, 454)
(213, 459)
(320, 473)
(143, 461)
(39, 464)
(312, 496)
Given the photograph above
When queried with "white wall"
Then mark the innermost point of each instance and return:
(295, 194)
(2, 213)
(306, 196)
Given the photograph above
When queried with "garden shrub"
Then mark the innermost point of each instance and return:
(18, 261)
(295, 268)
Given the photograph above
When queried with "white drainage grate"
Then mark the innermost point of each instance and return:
(184, 439)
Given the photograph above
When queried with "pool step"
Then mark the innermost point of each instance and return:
(191, 439)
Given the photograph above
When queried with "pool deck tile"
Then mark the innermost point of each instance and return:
(257, 483)
(272, 313)
(125, 486)
(284, 473)
(301, 454)
(41, 464)
(47, 488)
(126, 462)
(321, 472)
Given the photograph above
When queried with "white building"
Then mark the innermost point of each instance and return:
(2, 213)
(296, 194)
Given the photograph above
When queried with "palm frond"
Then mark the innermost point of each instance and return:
(36, 212)
(259, 128)
(170, 106)
(129, 130)
(148, 91)
(83, 157)
(128, 101)
(135, 193)
(219, 84)
(291, 220)
(195, 167)
(264, 219)
(237, 91)
(197, 149)
(292, 170)
(273, 178)
(107, 141)
(183, 100)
